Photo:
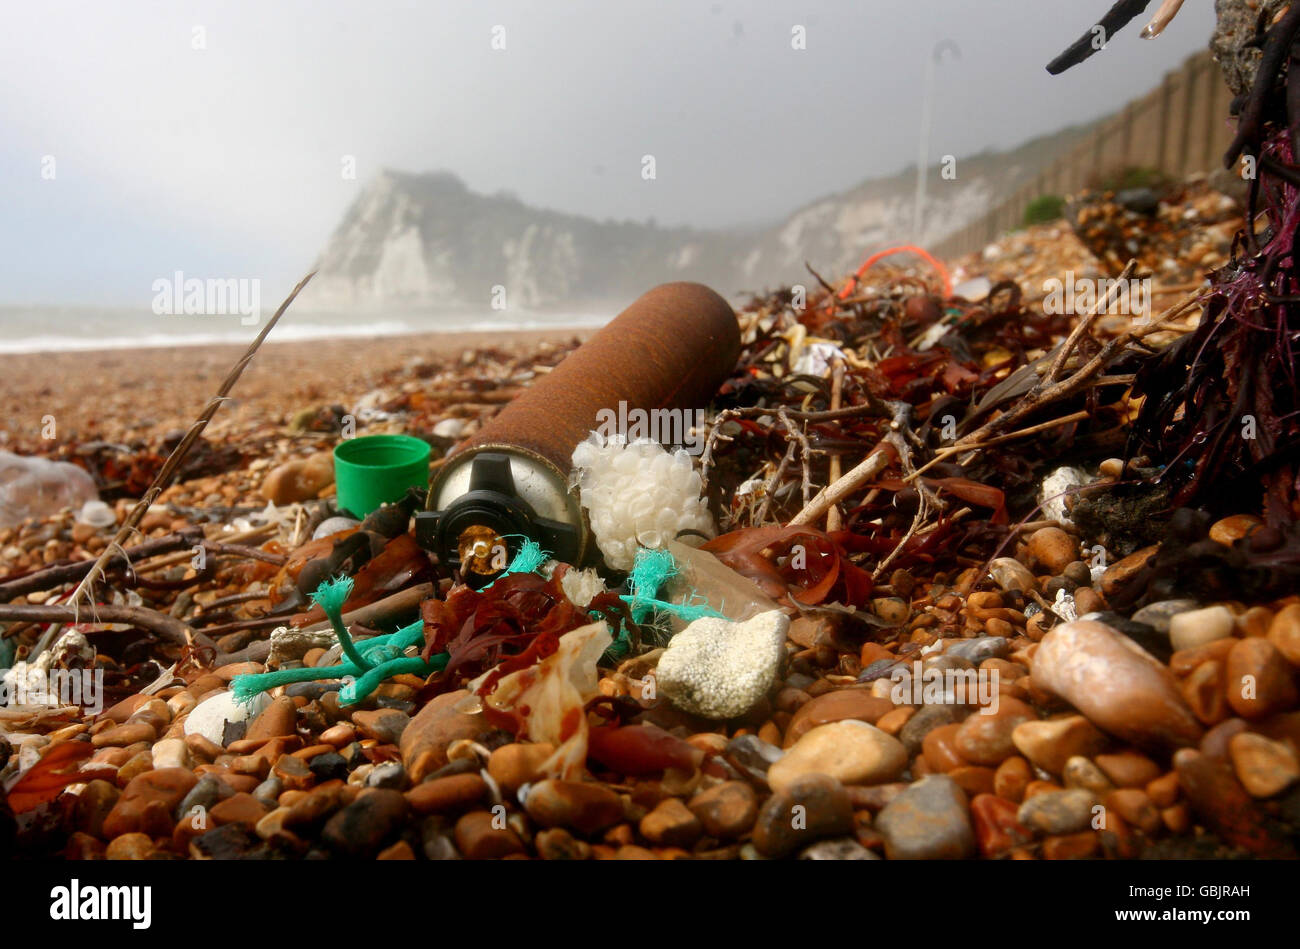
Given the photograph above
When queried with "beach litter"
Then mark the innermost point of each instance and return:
(904, 571)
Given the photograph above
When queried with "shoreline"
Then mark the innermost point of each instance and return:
(139, 394)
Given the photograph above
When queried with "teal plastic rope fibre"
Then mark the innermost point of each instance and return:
(370, 662)
(367, 664)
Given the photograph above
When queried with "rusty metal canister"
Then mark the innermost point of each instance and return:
(671, 349)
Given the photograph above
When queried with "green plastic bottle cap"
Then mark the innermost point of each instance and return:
(378, 469)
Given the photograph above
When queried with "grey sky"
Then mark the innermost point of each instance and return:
(225, 161)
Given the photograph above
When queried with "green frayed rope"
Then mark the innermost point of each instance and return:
(650, 571)
(372, 661)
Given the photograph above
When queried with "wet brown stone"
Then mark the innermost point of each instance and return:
(812, 807)
(131, 846)
(385, 725)
(425, 740)
(478, 838)
(996, 829)
(275, 721)
(1263, 766)
(985, 738)
(518, 763)
(727, 810)
(120, 736)
(583, 807)
(452, 794)
(671, 824)
(1051, 743)
(1053, 548)
(1259, 681)
(240, 808)
(1219, 799)
(93, 805)
(1128, 768)
(147, 803)
(836, 706)
(1136, 808)
(1011, 779)
(1204, 692)
(1116, 684)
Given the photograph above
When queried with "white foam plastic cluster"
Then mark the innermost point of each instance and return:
(637, 494)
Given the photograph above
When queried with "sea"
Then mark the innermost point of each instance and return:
(48, 328)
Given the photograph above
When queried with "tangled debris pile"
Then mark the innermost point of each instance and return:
(902, 634)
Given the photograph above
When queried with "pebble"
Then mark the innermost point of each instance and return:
(997, 829)
(1231, 529)
(452, 794)
(268, 792)
(137, 765)
(812, 807)
(727, 810)
(843, 848)
(928, 821)
(206, 792)
(1159, 615)
(148, 803)
(892, 609)
(1264, 767)
(1204, 692)
(556, 843)
(209, 718)
(718, 669)
(293, 773)
(1135, 808)
(1053, 548)
(1079, 772)
(583, 807)
(1010, 574)
(1128, 769)
(390, 774)
(850, 751)
(478, 838)
(1220, 801)
(1284, 633)
(171, 753)
(131, 846)
(298, 480)
(362, 827)
(1115, 683)
(1258, 680)
(385, 725)
(671, 824)
(277, 720)
(1118, 573)
(120, 736)
(839, 705)
(93, 804)
(1012, 778)
(339, 735)
(330, 765)
(514, 765)
(239, 808)
(979, 649)
(925, 720)
(1051, 743)
(1192, 628)
(1058, 812)
(985, 739)
(424, 741)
